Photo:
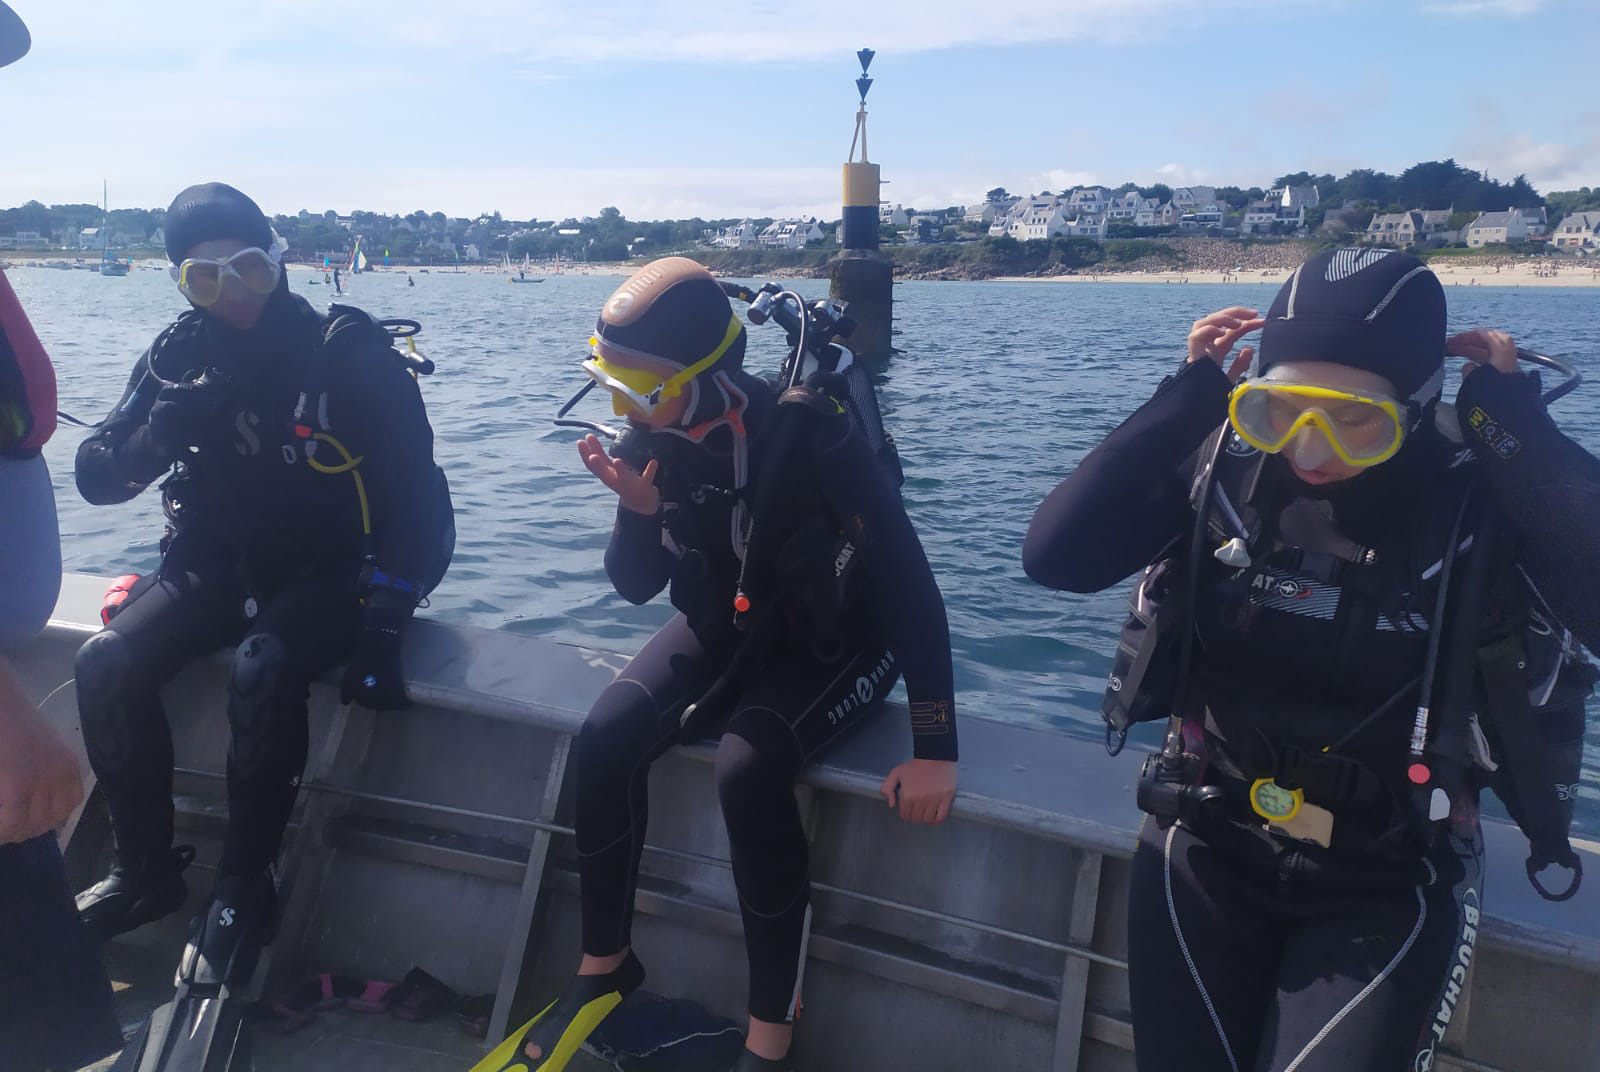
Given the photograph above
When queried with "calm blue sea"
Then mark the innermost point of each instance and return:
(1002, 387)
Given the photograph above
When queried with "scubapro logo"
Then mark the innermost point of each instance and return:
(249, 443)
(620, 304)
(863, 690)
(1114, 683)
(225, 917)
(1238, 448)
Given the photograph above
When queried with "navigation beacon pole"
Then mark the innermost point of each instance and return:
(860, 274)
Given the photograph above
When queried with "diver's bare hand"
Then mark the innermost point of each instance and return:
(922, 788)
(1212, 337)
(1483, 346)
(636, 491)
(40, 781)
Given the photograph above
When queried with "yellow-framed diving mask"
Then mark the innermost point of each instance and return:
(638, 392)
(1359, 428)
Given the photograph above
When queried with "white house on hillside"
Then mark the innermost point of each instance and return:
(791, 234)
(893, 215)
(1148, 214)
(1187, 198)
(1201, 218)
(1578, 231)
(1125, 206)
(983, 214)
(1503, 227)
(1436, 223)
(1032, 217)
(1258, 218)
(1092, 199)
(740, 236)
(1088, 224)
(1400, 229)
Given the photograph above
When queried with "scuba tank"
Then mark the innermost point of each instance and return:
(812, 565)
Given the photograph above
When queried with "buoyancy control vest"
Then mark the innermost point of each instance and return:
(1519, 730)
(27, 382)
(798, 557)
(350, 334)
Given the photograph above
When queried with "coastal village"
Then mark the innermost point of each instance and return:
(1086, 230)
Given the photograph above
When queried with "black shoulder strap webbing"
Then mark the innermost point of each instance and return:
(1524, 754)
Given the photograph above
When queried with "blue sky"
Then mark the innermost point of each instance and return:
(551, 108)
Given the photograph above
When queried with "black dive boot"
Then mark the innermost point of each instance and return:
(226, 940)
(136, 892)
(750, 1062)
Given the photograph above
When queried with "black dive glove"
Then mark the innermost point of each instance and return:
(372, 677)
(185, 413)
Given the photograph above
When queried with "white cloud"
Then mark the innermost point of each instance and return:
(1490, 144)
(1182, 175)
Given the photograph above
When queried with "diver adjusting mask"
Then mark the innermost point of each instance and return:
(1313, 423)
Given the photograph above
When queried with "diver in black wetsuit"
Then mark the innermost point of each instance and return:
(700, 445)
(1305, 916)
(301, 556)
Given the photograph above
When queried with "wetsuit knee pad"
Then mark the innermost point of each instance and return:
(103, 669)
(259, 666)
(621, 726)
(754, 763)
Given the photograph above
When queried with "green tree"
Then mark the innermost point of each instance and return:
(1563, 203)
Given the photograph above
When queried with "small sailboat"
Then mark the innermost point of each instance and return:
(522, 272)
(109, 265)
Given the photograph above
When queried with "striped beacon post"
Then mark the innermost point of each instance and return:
(860, 274)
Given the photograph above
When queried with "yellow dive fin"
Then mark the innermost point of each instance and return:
(563, 1025)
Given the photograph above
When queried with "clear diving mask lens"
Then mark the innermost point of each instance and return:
(200, 279)
(1313, 424)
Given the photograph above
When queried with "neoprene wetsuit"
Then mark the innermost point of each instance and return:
(797, 699)
(262, 551)
(1251, 950)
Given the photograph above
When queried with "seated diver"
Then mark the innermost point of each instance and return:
(302, 557)
(1300, 889)
(704, 438)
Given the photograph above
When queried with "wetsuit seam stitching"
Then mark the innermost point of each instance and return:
(805, 888)
(633, 855)
(1388, 969)
(1183, 947)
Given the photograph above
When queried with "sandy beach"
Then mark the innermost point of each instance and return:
(1451, 275)
(32, 260)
